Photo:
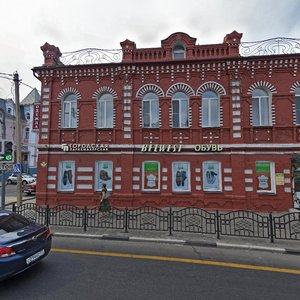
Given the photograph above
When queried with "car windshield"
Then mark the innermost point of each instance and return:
(12, 222)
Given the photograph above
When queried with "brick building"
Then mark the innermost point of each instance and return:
(182, 124)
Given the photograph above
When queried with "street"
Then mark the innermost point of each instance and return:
(94, 269)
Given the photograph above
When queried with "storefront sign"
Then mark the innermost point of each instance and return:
(161, 148)
(36, 117)
(178, 148)
(84, 147)
(207, 148)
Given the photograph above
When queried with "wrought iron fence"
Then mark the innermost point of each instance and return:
(191, 220)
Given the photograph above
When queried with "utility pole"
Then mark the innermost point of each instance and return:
(18, 137)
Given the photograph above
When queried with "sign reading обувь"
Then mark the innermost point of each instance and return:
(178, 148)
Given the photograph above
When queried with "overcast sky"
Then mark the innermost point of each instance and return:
(76, 24)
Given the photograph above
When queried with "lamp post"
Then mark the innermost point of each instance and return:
(18, 137)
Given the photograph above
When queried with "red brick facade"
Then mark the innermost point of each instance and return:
(239, 161)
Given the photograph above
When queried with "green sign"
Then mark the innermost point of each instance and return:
(263, 167)
(151, 167)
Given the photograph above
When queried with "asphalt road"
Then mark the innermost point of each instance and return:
(97, 269)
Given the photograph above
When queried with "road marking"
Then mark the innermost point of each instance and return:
(182, 260)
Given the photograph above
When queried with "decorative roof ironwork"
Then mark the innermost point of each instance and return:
(91, 56)
(274, 46)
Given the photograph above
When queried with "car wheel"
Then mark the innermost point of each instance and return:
(9, 181)
(24, 182)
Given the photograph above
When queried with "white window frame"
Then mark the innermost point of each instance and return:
(150, 182)
(272, 178)
(106, 168)
(105, 119)
(150, 100)
(65, 184)
(212, 178)
(181, 166)
(213, 118)
(297, 105)
(180, 114)
(69, 111)
(260, 110)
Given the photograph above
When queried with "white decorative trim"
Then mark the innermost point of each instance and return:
(150, 88)
(103, 90)
(294, 86)
(68, 91)
(262, 84)
(180, 87)
(211, 85)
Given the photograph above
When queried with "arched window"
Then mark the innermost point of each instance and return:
(180, 110)
(150, 111)
(178, 52)
(105, 111)
(210, 109)
(69, 111)
(28, 116)
(261, 108)
(297, 104)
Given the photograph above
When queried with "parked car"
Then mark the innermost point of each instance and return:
(23, 243)
(25, 179)
(29, 188)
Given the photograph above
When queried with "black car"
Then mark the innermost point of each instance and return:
(23, 243)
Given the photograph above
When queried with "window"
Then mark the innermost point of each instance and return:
(69, 111)
(26, 133)
(66, 176)
(150, 111)
(212, 176)
(151, 176)
(104, 174)
(27, 116)
(180, 110)
(261, 107)
(105, 111)
(265, 177)
(9, 111)
(181, 177)
(297, 104)
(210, 109)
(178, 52)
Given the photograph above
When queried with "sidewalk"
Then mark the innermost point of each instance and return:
(180, 238)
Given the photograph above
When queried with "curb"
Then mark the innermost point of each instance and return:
(251, 247)
(199, 243)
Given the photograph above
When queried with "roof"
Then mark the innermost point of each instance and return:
(31, 98)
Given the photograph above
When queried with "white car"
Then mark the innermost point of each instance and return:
(25, 179)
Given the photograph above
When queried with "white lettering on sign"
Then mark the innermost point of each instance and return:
(161, 148)
(207, 148)
(85, 147)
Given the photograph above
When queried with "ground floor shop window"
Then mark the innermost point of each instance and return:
(181, 177)
(104, 174)
(265, 177)
(66, 176)
(151, 176)
(212, 176)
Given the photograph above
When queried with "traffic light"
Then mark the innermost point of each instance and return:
(7, 154)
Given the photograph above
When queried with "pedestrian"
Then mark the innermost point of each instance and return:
(104, 205)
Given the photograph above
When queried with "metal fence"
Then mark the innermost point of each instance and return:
(192, 220)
